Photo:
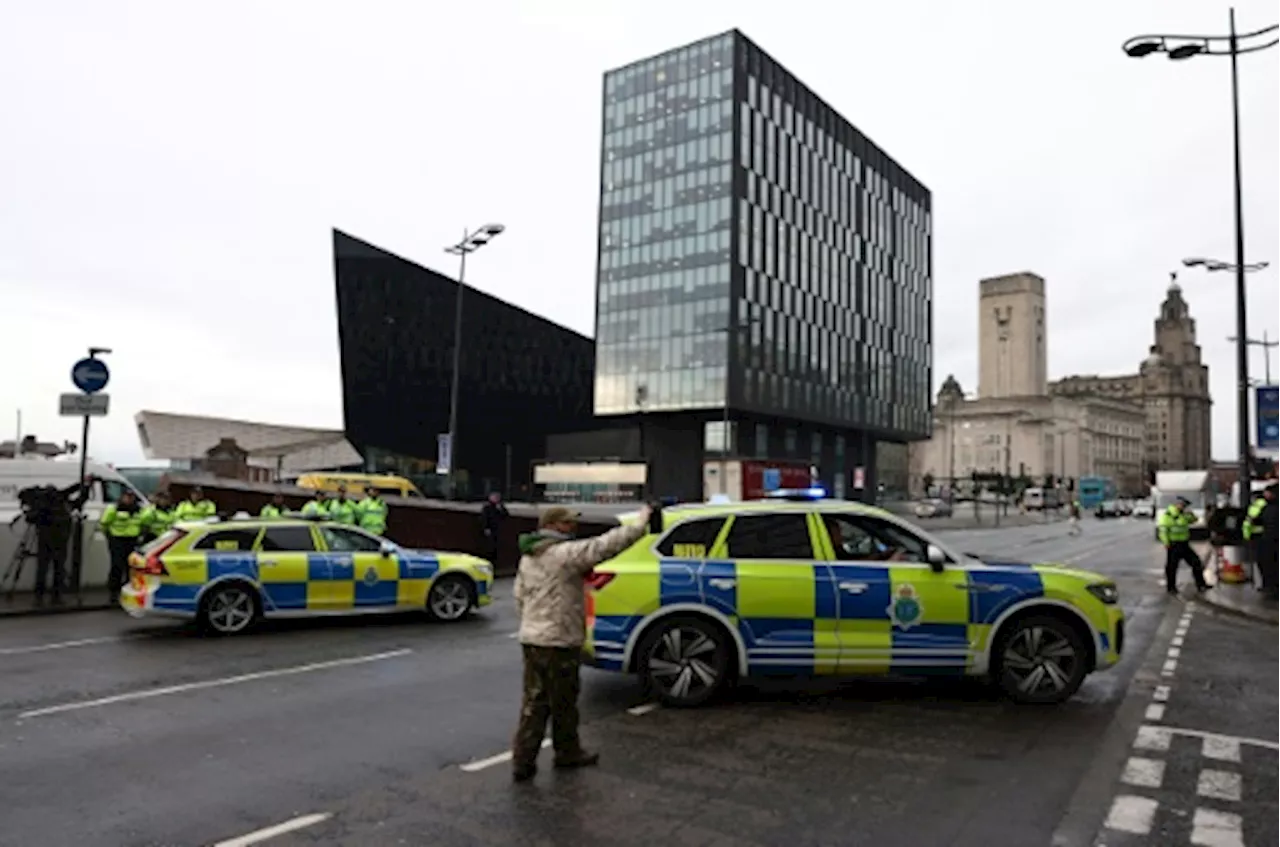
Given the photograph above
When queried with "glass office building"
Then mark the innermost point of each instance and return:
(757, 251)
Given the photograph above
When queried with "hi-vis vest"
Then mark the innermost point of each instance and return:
(1174, 526)
(1252, 529)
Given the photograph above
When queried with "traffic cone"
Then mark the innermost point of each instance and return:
(1232, 570)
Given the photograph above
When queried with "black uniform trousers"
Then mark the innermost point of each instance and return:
(51, 555)
(1176, 553)
(120, 546)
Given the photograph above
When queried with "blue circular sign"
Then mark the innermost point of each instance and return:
(90, 375)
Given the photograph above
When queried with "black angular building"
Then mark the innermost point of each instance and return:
(760, 260)
(522, 375)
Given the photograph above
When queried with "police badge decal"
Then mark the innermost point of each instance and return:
(371, 576)
(906, 610)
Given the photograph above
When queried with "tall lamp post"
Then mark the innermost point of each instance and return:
(1267, 346)
(1185, 47)
(470, 243)
(726, 444)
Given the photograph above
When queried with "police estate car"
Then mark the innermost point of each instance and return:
(228, 575)
(830, 587)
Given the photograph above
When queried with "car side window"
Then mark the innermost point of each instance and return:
(691, 539)
(227, 540)
(852, 542)
(770, 537)
(904, 546)
(288, 539)
(348, 541)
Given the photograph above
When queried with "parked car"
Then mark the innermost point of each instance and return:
(933, 508)
(1143, 509)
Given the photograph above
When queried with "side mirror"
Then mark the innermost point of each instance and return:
(937, 559)
(387, 549)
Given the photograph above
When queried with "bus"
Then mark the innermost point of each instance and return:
(1093, 491)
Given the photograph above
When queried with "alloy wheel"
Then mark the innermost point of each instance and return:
(682, 663)
(1041, 661)
(450, 599)
(230, 610)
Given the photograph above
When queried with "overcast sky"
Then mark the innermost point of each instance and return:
(169, 178)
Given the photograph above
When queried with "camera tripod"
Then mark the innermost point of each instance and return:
(27, 549)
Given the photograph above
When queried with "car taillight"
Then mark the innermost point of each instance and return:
(599, 579)
(151, 563)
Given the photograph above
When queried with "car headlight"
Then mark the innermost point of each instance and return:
(1104, 591)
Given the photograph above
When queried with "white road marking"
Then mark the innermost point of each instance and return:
(515, 634)
(1152, 738)
(272, 831)
(1220, 785)
(1174, 652)
(1161, 693)
(481, 764)
(1170, 666)
(1200, 733)
(1180, 632)
(1177, 640)
(1216, 829)
(63, 645)
(1144, 773)
(1155, 712)
(212, 683)
(1131, 814)
(644, 709)
(1221, 749)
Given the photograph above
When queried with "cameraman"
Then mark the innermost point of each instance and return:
(50, 511)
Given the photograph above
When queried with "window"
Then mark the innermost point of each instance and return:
(288, 538)
(691, 539)
(228, 540)
(112, 489)
(348, 541)
(770, 537)
(910, 547)
(852, 542)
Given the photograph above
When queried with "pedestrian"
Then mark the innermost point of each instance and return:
(196, 507)
(1260, 532)
(277, 508)
(121, 522)
(52, 512)
(1073, 511)
(317, 508)
(342, 510)
(371, 512)
(549, 597)
(157, 517)
(492, 517)
(1174, 530)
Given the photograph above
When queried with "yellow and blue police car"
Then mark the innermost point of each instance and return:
(815, 586)
(229, 574)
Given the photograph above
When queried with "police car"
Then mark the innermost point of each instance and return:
(229, 574)
(807, 586)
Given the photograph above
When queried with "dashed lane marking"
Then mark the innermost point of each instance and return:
(644, 709)
(1210, 828)
(65, 645)
(1152, 738)
(1161, 693)
(1130, 813)
(1217, 736)
(1155, 712)
(212, 683)
(505, 756)
(261, 835)
(1221, 749)
(1143, 773)
(1220, 785)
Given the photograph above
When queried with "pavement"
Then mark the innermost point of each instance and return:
(393, 731)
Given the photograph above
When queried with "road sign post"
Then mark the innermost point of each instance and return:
(90, 375)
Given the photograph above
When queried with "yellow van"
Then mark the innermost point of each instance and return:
(357, 483)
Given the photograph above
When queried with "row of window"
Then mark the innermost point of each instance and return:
(784, 537)
(708, 183)
(637, 139)
(667, 161)
(662, 354)
(693, 285)
(663, 321)
(676, 222)
(649, 391)
(684, 63)
(293, 538)
(668, 100)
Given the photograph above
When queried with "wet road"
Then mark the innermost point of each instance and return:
(115, 732)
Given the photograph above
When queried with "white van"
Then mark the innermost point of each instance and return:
(19, 474)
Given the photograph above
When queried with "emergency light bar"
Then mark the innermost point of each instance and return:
(797, 494)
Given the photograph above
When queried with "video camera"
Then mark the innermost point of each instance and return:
(46, 505)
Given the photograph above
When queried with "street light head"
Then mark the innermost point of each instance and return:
(492, 229)
(99, 351)
(1186, 51)
(1143, 48)
(1195, 263)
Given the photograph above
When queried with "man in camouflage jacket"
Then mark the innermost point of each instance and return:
(549, 596)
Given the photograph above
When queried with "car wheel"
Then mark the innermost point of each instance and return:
(1041, 660)
(229, 609)
(450, 598)
(685, 661)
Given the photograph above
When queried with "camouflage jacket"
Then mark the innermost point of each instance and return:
(549, 592)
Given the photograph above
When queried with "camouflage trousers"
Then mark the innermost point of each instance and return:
(551, 686)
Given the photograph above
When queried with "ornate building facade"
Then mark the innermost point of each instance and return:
(1172, 385)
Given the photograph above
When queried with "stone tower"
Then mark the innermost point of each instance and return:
(1012, 347)
(1174, 385)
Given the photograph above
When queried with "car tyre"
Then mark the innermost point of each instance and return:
(451, 598)
(232, 608)
(1041, 660)
(685, 661)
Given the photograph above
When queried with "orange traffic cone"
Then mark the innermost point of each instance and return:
(1232, 570)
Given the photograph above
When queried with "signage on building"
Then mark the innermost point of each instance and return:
(1266, 407)
(444, 453)
(859, 478)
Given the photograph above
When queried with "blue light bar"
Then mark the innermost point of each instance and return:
(814, 493)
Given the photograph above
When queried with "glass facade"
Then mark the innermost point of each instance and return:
(665, 223)
(756, 250)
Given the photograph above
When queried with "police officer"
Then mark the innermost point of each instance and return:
(196, 507)
(549, 599)
(158, 517)
(276, 508)
(1174, 530)
(317, 508)
(121, 522)
(1260, 535)
(341, 509)
(371, 512)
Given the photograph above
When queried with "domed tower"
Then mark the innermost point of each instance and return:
(950, 393)
(1174, 385)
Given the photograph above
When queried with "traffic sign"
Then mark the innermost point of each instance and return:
(90, 375)
(74, 405)
(444, 453)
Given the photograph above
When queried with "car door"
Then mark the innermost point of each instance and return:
(356, 560)
(778, 591)
(928, 611)
(293, 575)
(859, 595)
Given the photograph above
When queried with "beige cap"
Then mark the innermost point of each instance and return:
(557, 514)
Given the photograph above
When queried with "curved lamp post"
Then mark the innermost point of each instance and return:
(1186, 47)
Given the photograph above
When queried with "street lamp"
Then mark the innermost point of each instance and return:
(1186, 47)
(726, 443)
(1217, 265)
(470, 243)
